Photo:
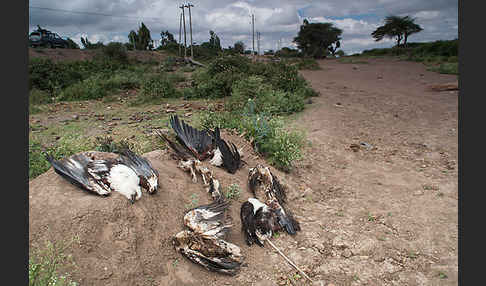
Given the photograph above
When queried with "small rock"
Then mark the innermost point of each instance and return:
(170, 111)
(418, 193)
(347, 253)
(76, 117)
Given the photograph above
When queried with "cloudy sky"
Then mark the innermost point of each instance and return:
(277, 21)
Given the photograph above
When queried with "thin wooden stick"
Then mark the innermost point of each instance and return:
(289, 261)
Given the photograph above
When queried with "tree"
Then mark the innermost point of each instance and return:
(316, 39)
(214, 41)
(140, 40)
(166, 38)
(397, 27)
(239, 47)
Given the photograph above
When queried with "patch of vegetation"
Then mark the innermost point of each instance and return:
(47, 265)
(445, 68)
(308, 64)
(233, 192)
(194, 202)
(442, 275)
(67, 145)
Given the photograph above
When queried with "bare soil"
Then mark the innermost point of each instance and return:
(376, 195)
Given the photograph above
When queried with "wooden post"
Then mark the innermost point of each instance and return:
(180, 35)
(190, 26)
(184, 22)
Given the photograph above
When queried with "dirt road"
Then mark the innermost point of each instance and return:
(389, 211)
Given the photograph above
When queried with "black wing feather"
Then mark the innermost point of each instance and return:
(199, 142)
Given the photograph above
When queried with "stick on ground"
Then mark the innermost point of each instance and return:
(289, 261)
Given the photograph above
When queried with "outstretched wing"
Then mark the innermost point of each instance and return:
(180, 151)
(78, 170)
(198, 142)
(208, 220)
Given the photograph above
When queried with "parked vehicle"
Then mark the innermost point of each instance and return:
(45, 38)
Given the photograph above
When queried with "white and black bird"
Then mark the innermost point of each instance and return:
(258, 222)
(225, 155)
(202, 144)
(204, 242)
(149, 177)
(103, 172)
(266, 187)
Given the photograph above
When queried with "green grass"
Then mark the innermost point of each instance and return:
(51, 264)
(233, 192)
(445, 68)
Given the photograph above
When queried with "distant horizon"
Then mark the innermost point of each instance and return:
(108, 21)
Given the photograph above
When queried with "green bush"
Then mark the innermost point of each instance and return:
(308, 64)
(446, 68)
(155, 89)
(115, 51)
(37, 96)
(232, 63)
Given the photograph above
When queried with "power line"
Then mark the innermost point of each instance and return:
(94, 13)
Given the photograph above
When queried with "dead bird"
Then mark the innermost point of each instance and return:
(99, 173)
(149, 177)
(266, 187)
(197, 142)
(225, 155)
(258, 221)
(203, 243)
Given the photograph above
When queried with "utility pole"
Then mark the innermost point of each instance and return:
(184, 22)
(253, 34)
(180, 36)
(189, 5)
(258, 43)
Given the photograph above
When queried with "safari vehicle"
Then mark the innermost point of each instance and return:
(45, 38)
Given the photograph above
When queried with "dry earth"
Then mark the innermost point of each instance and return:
(376, 195)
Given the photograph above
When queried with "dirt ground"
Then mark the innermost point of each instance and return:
(376, 195)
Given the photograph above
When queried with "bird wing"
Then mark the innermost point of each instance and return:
(278, 190)
(248, 223)
(208, 220)
(198, 142)
(229, 154)
(180, 150)
(142, 168)
(76, 170)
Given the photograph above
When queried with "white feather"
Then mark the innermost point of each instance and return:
(257, 204)
(217, 159)
(124, 180)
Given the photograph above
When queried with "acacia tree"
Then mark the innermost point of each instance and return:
(167, 38)
(316, 39)
(140, 40)
(397, 27)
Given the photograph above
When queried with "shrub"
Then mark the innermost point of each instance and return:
(308, 64)
(115, 51)
(156, 88)
(446, 68)
(37, 96)
(232, 63)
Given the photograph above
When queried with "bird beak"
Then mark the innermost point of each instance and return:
(132, 199)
